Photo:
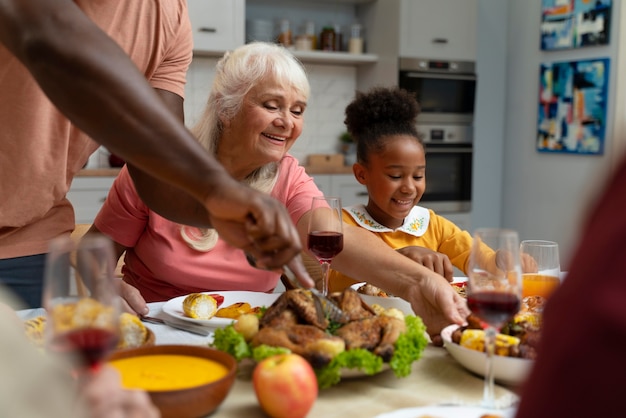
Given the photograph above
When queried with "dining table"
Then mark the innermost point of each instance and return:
(436, 379)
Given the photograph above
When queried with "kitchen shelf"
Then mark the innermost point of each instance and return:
(316, 57)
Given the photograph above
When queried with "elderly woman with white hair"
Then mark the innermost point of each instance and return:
(254, 114)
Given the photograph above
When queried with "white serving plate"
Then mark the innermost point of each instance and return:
(452, 411)
(394, 301)
(387, 303)
(507, 370)
(174, 307)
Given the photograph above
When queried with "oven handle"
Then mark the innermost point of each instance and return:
(448, 150)
(441, 75)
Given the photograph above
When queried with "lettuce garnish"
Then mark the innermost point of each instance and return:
(408, 348)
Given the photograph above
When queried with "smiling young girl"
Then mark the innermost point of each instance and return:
(391, 163)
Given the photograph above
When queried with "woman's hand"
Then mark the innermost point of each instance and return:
(433, 260)
(133, 301)
(438, 304)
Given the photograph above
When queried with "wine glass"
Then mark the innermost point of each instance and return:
(540, 268)
(85, 328)
(325, 236)
(494, 289)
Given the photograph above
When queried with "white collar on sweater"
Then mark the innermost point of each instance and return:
(416, 222)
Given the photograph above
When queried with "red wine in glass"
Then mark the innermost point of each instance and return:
(92, 345)
(495, 308)
(325, 244)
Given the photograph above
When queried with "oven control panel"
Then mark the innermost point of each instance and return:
(446, 134)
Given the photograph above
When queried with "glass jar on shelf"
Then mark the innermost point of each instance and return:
(355, 44)
(284, 34)
(327, 39)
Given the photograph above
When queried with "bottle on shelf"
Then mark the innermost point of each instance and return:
(355, 44)
(327, 39)
(284, 34)
(309, 32)
(338, 37)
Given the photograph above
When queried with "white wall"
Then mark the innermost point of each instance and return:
(545, 195)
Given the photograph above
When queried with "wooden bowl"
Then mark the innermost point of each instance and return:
(193, 402)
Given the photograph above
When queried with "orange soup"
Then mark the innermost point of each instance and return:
(539, 285)
(161, 372)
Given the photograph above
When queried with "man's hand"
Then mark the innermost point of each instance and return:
(258, 224)
(437, 262)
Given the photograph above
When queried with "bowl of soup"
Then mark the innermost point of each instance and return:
(183, 381)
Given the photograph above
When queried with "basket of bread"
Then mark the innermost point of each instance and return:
(373, 339)
(133, 333)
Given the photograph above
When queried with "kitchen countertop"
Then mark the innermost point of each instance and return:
(112, 172)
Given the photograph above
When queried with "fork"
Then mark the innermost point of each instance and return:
(329, 307)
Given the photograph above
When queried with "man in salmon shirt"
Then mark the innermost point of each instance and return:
(76, 74)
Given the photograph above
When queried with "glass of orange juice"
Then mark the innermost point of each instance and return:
(540, 267)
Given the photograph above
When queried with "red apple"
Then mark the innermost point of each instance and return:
(285, 385)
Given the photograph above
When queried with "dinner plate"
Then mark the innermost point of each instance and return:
(386, 302)
(174, 307)
(394, 301)
(507, 370)
(446, 411)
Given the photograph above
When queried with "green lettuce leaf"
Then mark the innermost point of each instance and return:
(228, 340)
(409, 346)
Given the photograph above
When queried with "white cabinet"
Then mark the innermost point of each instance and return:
(438, 29)
(344, 186)
(348, 189)
(87, 195)
(218, 25)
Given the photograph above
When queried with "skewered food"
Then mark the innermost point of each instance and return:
(518, 338)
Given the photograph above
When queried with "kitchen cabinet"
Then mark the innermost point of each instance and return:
(344, 186)
(322, 13)
(87, 195)
(218, 25)
(438, 29)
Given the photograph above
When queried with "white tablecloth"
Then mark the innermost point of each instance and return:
(436, 379)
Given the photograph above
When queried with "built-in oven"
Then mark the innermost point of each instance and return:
(445, 90)
(449, 155)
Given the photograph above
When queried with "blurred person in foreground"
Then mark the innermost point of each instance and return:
(35, 385)
(254, 114)
(76, 74)
(580, 370)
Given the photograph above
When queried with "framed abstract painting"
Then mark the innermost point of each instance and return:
(574, 23)
(573, 106)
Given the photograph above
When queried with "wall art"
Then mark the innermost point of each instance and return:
(574, 23)
(573, 106)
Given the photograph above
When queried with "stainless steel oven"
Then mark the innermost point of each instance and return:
(449, 155)
(445, 89)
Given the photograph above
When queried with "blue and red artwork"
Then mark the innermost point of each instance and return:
(574, 23)
(573, 106)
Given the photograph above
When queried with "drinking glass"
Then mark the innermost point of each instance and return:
(85, 328)
(325, 234)
(494, 288)
(540, 267)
